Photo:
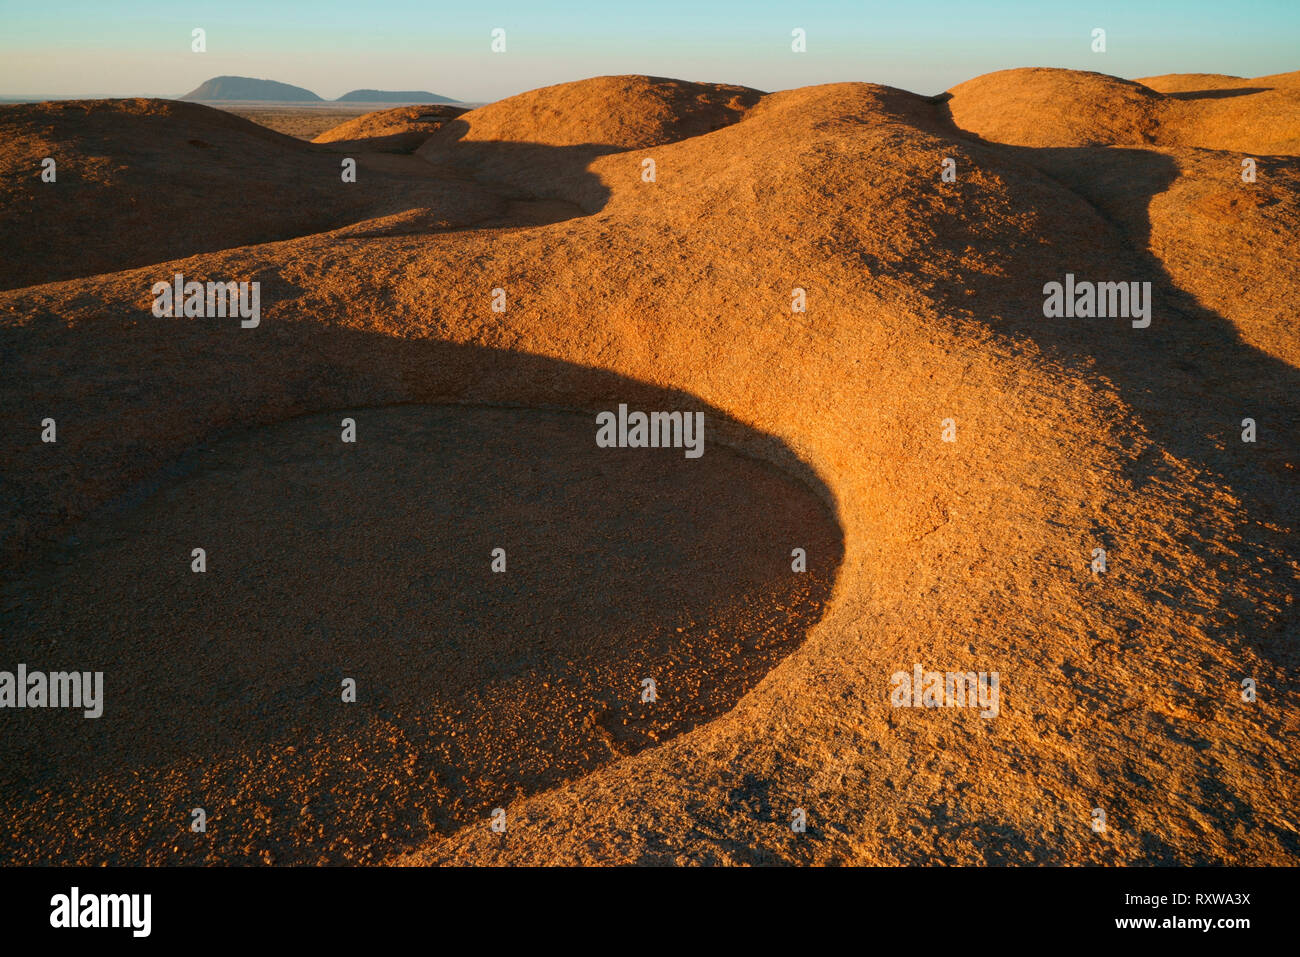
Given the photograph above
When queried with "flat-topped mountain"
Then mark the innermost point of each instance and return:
(247, 88)
(392, 96)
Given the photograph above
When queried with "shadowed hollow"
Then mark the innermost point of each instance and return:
(370, 561)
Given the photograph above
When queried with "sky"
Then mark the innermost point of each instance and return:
(106, 48)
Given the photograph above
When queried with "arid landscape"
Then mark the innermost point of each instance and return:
(848, 282)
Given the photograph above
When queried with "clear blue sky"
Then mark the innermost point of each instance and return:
(143, 48)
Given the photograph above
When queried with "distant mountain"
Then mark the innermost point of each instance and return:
(391, 96)
(246, 88)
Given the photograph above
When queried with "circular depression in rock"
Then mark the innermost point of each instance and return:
(372, 561)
